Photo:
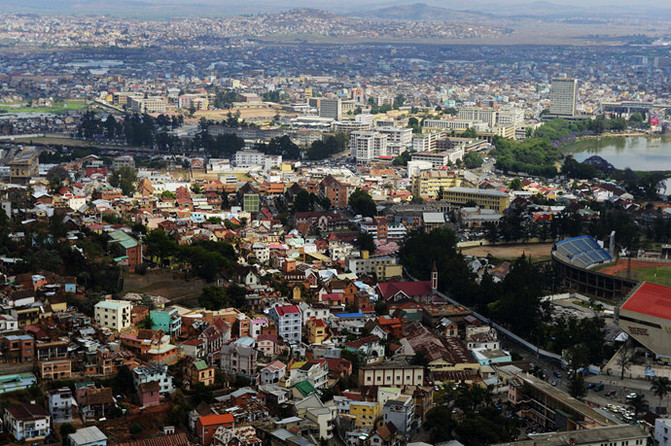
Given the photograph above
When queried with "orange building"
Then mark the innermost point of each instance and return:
(206, 426)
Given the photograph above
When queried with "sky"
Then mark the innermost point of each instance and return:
(232, 7)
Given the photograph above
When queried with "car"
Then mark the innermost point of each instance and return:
(557, 374)
(554, 382)
(628, 417)
(591, 385)
(631, 395)
(611, 393)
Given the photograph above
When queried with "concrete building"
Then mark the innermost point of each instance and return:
(148, 105)
(563, 95)
(114, 314)
(60, 405)
(167, 320)
(123, 161)
(26, 421)
(430, 183)
(87, 436)
(439, 159)
(331, 108)
(646, 317)
(289, 322)
(662, 428)
(400, 411)
(239, 357)
(369, 265)
(487, 115)
(368, 146)
(249, 158)
(391, 373)
(485, 198)
(622, 435)
(24, 166)
(158, 373)
(18, 349)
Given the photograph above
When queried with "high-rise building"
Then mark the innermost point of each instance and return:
(563, 94)
(330, 108)
(368, 146)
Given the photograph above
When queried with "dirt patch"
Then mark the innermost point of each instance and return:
(536, 251)
(172, 285)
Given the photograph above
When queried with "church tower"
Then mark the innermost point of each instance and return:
(434, 278)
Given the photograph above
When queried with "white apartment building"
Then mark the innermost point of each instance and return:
(289, 322)
(249, 158)
(158, 373)
(114, 314)
(455, 124)
(510, 115)
(367, 146)
(401, 136)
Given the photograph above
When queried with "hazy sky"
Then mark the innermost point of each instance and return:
(131, 7)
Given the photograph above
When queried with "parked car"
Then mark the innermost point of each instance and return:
(554, 382)
(557, 374)
(611, 393)
(631, 396)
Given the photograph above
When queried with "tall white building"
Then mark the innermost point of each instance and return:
(367, 146)
(486, 115)
(114, 314)
(563, 95)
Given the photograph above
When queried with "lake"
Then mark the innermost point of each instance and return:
(635, 152)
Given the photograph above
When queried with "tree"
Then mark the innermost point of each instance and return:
(66, 429)
(472, 160)
(639, 403)
(56, 176)
(516, 184)
(302, 202)
(124, 178)
(365, 242)
(625, 357)
(362, 203)
(661, 386)
(577, 387)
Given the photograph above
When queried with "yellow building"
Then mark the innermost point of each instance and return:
(485, 198)
(429, 182)
(316, 331)
(365, 413)
(385, 272)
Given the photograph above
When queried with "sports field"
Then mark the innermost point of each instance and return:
(57, 108)
(656, 272)
(538, 251)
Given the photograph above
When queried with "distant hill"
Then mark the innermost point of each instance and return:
(417, 12)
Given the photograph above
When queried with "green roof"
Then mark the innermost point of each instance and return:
(200, 365)
(305, 388)
(123, 239)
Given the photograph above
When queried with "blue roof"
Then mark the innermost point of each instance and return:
(345, 315)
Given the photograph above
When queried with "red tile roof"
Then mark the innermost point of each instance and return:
(287, 309)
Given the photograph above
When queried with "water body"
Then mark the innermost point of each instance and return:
(636, 152)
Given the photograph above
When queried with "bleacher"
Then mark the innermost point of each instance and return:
(582, 251)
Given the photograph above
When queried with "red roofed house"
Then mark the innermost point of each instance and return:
(289, 321)
(206, 426)
(421, 291)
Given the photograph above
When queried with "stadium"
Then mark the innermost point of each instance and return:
(577, 260)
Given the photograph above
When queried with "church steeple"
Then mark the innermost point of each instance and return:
(434, 278)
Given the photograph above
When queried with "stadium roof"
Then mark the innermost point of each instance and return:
(651, 299)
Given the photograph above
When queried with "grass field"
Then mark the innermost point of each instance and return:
(58, 108)
(539, 252)
(658, 274)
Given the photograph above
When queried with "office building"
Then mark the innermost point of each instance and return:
(331, 108)
(485, 198)
(487, 115)
(439, 159)
(430, 183)
(622, 435)
(148, 105)
(563, 95)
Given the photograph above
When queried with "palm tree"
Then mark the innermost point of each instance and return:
(661, 386)
(639, 403)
